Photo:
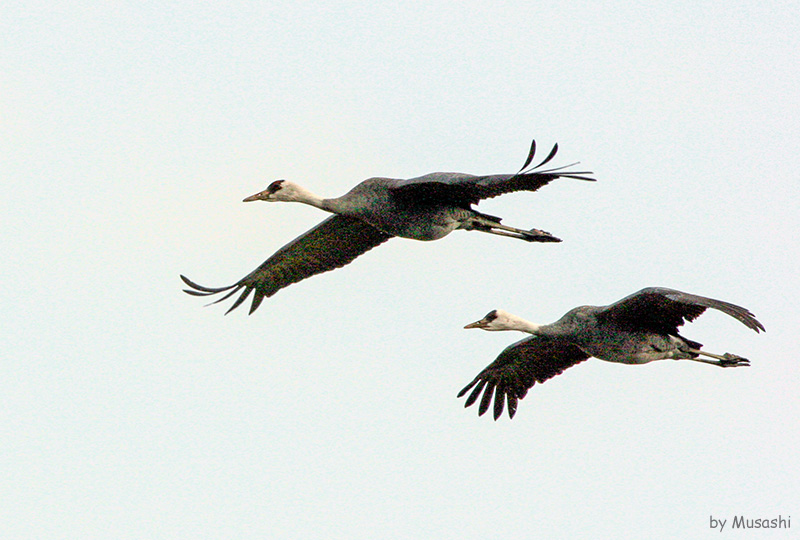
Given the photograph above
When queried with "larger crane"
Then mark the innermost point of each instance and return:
(377, 209)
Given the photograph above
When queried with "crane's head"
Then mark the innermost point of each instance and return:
(494, 321)
(279, 190)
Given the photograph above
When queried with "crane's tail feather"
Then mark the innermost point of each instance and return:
(489, 217)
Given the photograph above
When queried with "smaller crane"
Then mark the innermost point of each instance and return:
(638, 329)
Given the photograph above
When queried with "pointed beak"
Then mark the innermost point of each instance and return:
(256, 197)
(477, 324)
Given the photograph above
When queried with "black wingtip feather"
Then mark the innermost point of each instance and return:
(196, 293)
(257, 299)
(231, 293)
(475, 393)
(499, 402)
(486, 399)
(237, 303)
(550, 156)
(579, 176)
(571, 174)
(576, 175)
(466, 388)
(201, 288)
(512, 405)
(531, 153)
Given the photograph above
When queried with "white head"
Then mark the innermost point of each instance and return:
(282, 190)
(495, 320)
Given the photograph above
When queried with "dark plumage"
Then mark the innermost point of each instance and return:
(377, 209)
(638, 329)
(331, 244)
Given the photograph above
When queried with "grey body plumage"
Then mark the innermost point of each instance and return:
(638, 329)
(425, 208)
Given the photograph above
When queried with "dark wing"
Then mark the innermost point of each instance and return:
(465, 189)
(331, 244)
(664, 310)
(520, 366)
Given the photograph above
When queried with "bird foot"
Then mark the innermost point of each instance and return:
(537, 235)
(732, 360)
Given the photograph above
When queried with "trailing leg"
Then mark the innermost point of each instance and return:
(492, 225)
(725, 360)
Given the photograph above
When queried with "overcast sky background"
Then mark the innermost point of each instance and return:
(131, 131)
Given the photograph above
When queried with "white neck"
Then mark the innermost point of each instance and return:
(296, 193)
(512, 322)
(302, 195)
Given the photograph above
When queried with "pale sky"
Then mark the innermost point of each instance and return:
(131, 131)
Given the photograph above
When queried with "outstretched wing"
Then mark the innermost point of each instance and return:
(331, 244)
(520, 366)
(664, 310)
(465, 189)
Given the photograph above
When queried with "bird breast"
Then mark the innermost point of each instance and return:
(416, 222)
(638, 348)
